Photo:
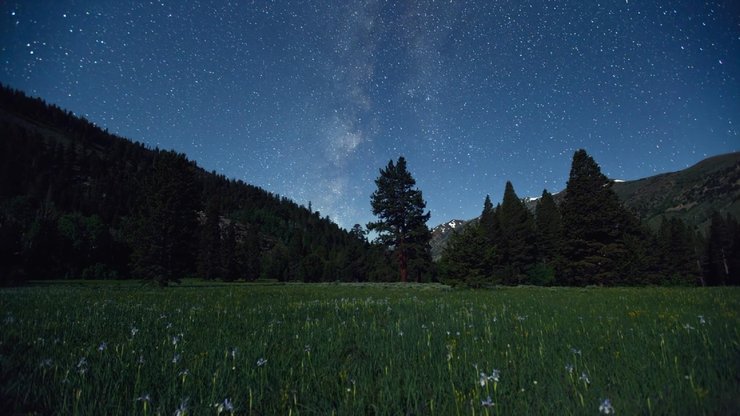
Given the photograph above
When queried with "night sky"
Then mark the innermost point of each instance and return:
(309, 99)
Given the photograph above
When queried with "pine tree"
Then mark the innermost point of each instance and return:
(595, 227)
(488, 221)
(470, 257)
(229, 262)
(166, 220)
(209, 254)
(549, 227)
(250, 254)
(676, 254)
(463, 261)
(517, 248)
(722, 251)
(400, 209)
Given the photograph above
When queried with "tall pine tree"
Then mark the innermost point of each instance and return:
(595, 227)
(549, 226)
(166, 221)
(402, 220)
(516, 241)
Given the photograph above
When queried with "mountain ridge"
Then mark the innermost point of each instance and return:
(691, 194)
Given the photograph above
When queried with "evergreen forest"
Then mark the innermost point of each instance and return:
(78, 202)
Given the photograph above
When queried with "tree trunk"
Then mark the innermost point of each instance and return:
(402, 264)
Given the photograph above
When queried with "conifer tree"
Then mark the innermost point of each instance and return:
(166, 220)
(463, 261)
(722, 251)
(488, 220)
(230, 265)
(209, 253)
(549, 227)
(595, 227)
(400, 209)
(250, 255)
(516, 242)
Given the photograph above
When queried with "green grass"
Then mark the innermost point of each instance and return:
(95, 349)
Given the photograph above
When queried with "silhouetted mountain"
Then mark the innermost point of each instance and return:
(76, 201)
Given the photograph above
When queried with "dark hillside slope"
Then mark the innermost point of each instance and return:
(70, 194)
(691, 194)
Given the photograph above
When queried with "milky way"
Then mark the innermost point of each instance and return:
(309, 99)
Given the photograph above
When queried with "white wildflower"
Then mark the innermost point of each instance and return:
(183, 409)
(606, 407)
(144, 398)
(487, 403)
(225, 406)
(261, 362)
(82, 365)
(486, 378)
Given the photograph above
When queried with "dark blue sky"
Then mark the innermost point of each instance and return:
(309, 99)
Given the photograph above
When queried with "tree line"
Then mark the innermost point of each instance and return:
(78, 202)
(589, 239)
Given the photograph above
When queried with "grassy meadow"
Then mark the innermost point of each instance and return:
(120, 348)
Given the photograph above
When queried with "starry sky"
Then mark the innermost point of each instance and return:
(309, 99)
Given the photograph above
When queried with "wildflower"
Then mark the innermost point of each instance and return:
(261, 362)
(487, 403)
(701, 319)
(175, 340)
(307, 349)
(400, 333)
(521, 318)
(569, 368)
(46, 363)
(103, 345)
(485, 379)
(183, 373)
(606, 407)
(82, 365)
(144, 398)
(575, 351)
(226, 405)
(688, 327)
(175, 358)
(140, 361)
(134, 330)
(183, 409)
(233, 351)
(584, 378)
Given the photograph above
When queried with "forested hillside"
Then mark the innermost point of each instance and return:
(78, 202)
(590, 237)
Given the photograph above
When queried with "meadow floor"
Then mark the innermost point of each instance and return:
(120, 348)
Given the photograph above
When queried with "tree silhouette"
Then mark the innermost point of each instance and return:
(402, 221)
